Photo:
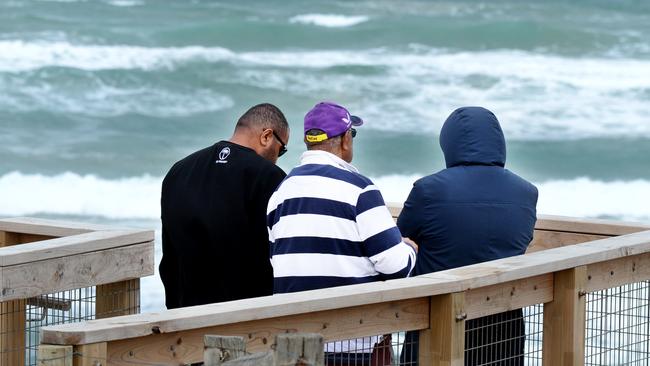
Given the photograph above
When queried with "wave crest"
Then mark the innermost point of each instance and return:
(139, 197)
(579, 197)
(329, 20)
(419, 86)
(17, 56)
(74, 194)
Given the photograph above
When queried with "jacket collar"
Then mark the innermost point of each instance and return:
(326, 158)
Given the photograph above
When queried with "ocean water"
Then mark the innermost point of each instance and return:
(99, 98)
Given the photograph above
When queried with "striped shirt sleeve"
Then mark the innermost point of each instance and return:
(382, 240)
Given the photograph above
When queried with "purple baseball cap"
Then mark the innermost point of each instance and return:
(330, 118)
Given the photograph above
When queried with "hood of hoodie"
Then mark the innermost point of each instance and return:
(473, 136)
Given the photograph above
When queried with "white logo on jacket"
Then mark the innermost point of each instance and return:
(223, 155)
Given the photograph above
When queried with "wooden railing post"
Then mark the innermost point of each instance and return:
(299, 349)
(219, 349)
(119, 298)
(564, 319)
(290, 349)
(54, 355)
(12, 320)
(95, 354)
(12, 333)
(443, 344)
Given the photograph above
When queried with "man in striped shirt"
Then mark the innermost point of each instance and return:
(328, 224)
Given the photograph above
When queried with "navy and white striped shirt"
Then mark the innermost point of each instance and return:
(329, 226)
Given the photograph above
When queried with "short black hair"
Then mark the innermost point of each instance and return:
(264, 115)
(314, 132)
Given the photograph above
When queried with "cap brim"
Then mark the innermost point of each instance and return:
(356, 121)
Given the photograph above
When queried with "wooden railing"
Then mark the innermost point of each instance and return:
(557, 272)
(45, 265)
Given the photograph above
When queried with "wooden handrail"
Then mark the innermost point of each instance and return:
(40, 256)
(56, 228)
(455, 280)
(71, 245)
(176, 336)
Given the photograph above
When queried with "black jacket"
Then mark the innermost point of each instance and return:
(215, 241)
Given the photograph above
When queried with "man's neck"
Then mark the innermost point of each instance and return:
(326, 157)
(241, 140)
(335, 152)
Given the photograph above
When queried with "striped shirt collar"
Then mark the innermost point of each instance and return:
(324, 157)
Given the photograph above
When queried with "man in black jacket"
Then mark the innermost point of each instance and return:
(473, 211)
(213, 211)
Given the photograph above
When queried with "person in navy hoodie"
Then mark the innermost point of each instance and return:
(473, 211)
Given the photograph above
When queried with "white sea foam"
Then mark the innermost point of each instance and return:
(153, 291)
(97, 99)
(592, 73)
(74, 194)
(16, 56)
(125, 3)
(580, 197)
(329, 20)
(63, 1)
(139, 197)
(535, 96)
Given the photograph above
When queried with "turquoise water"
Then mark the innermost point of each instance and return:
(99, 98)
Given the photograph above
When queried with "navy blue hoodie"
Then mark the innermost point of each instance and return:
(475, 210)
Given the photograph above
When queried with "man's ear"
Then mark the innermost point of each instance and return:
(346, 141)
(266, 138)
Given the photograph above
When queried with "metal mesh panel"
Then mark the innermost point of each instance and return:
(511, 338)
(618, 326)
(57, 308)
(21, 320)
(379, 350)
(534, 317)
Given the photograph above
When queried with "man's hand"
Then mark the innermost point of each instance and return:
(411, 243)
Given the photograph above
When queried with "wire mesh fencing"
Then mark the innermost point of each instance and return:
(57, 308)
(534, 321)
(511, 338)
(507, 339)
(21, 320)
(380, 350)
(618, 326)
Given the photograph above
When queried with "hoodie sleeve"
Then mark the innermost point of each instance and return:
(410, 219)
(382, 240)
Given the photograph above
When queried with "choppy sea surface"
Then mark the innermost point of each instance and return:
(99, 98)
